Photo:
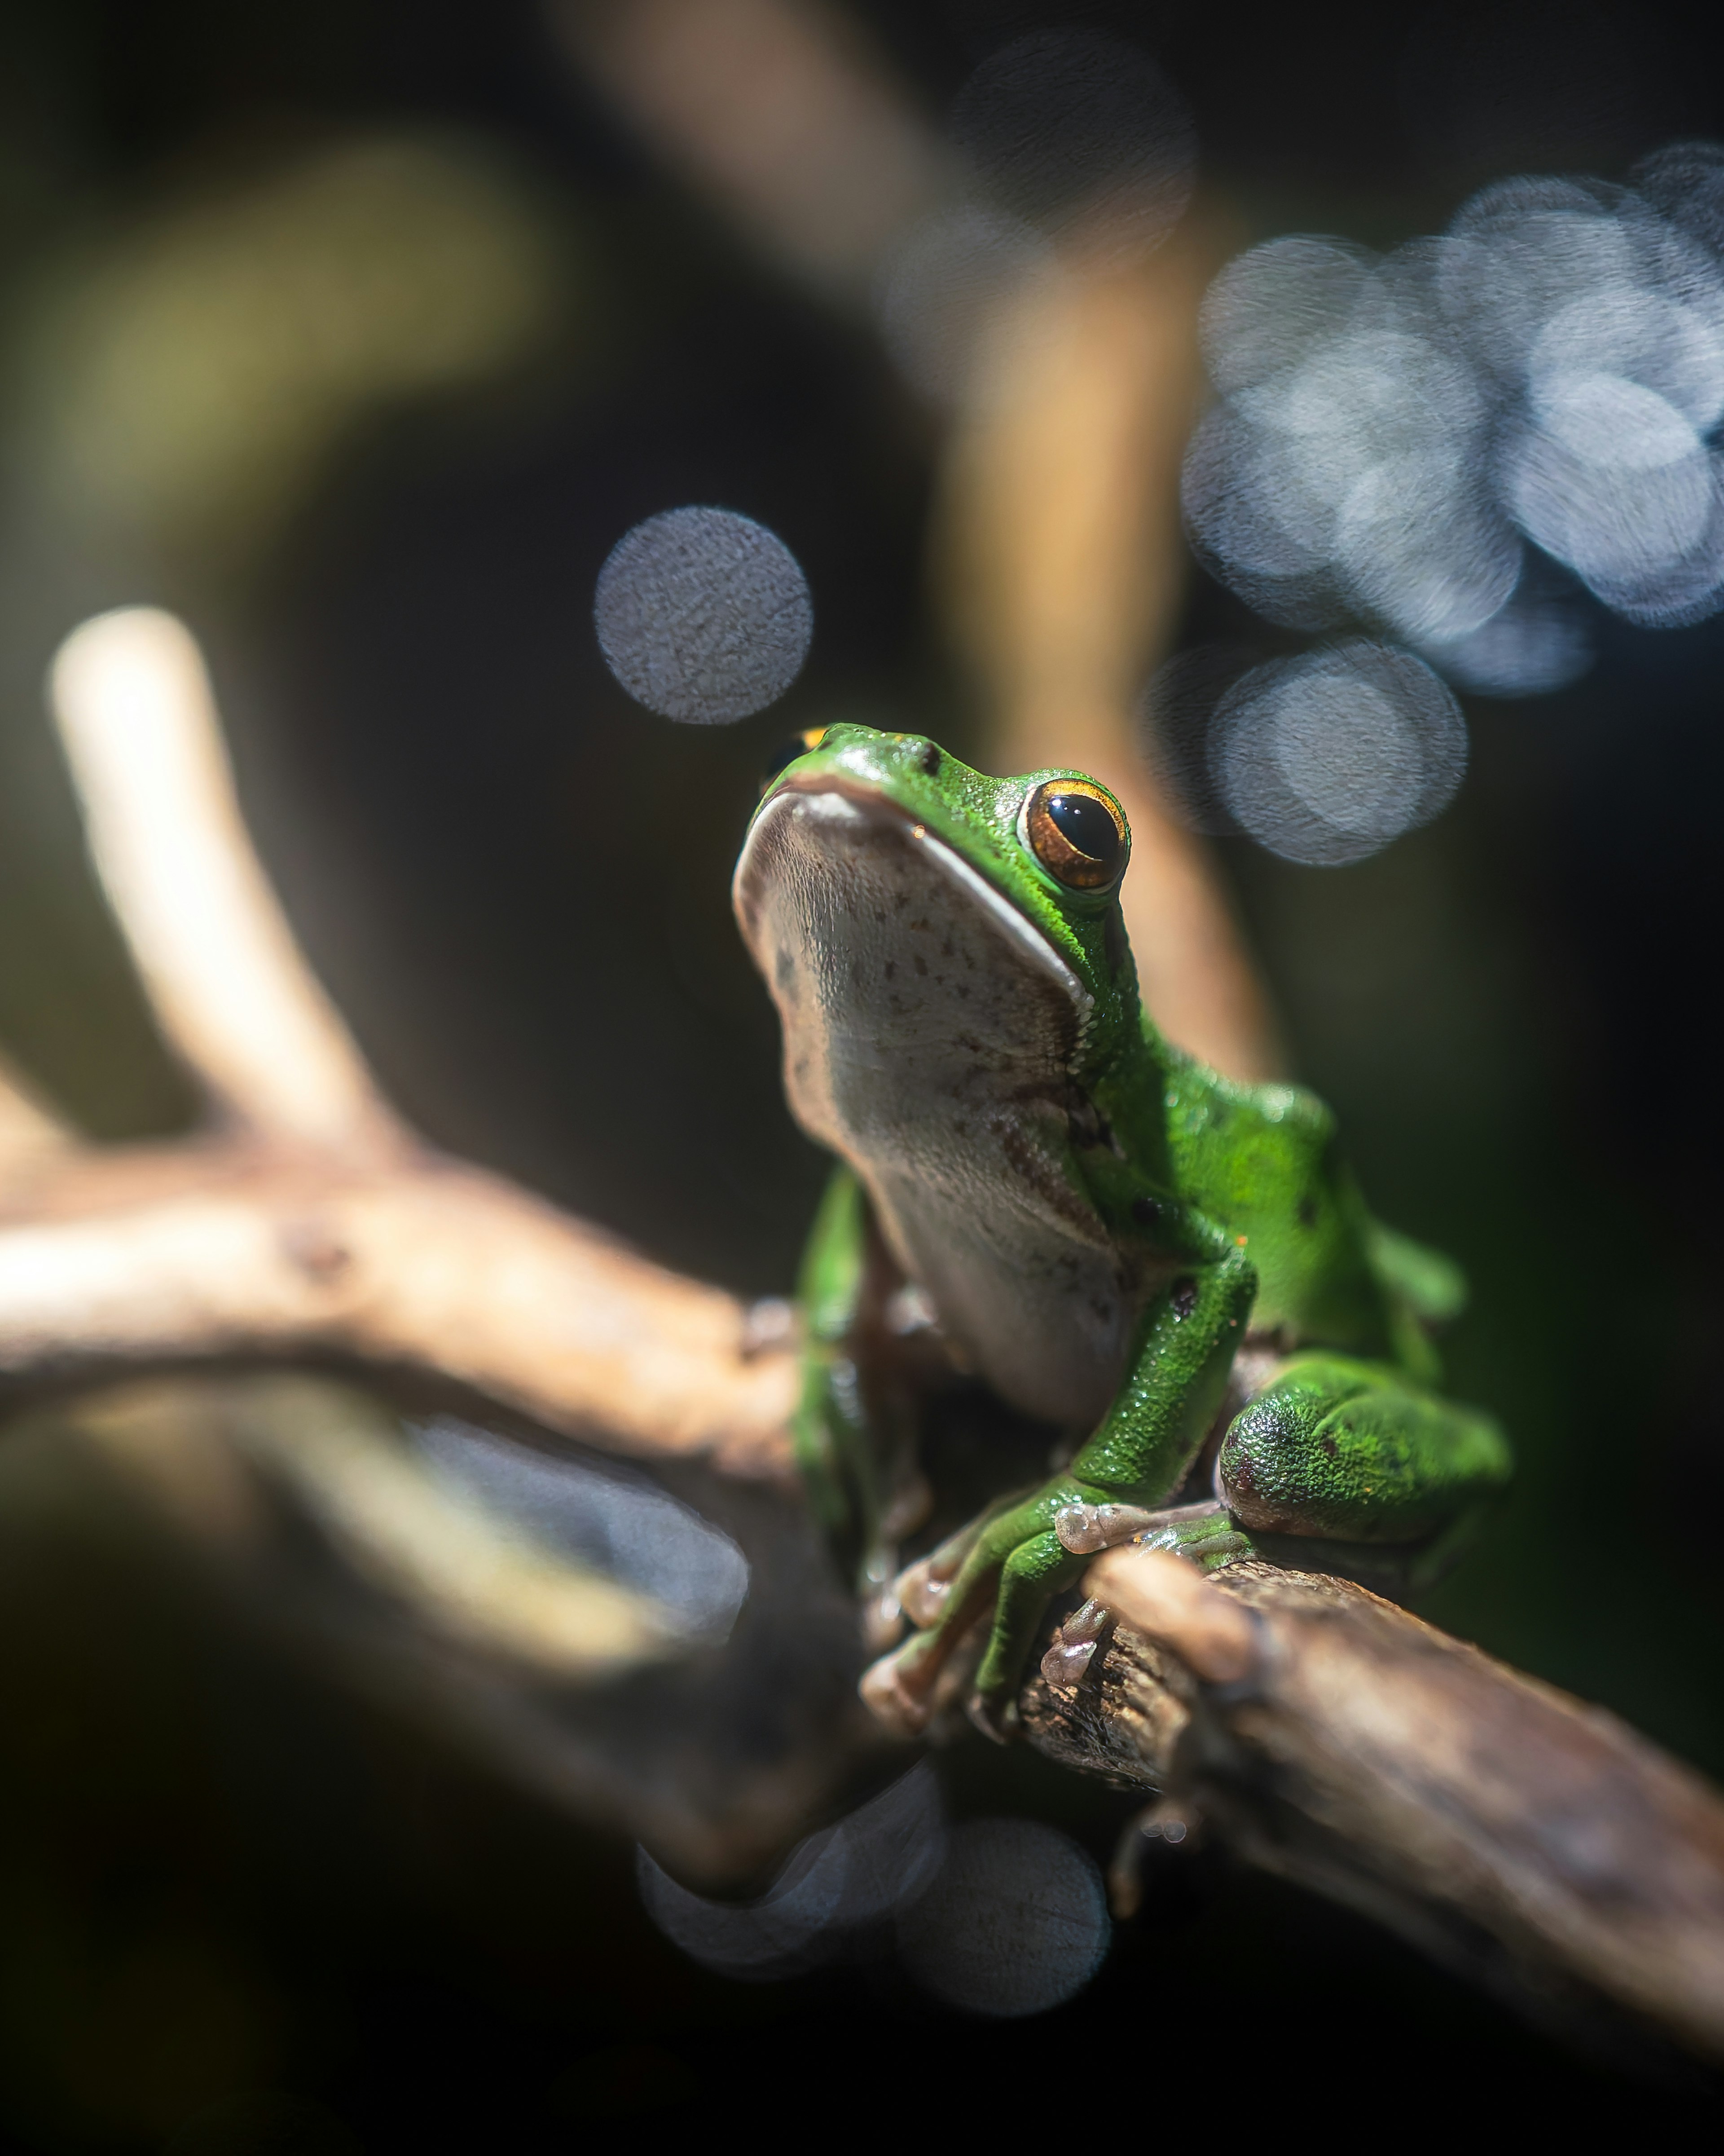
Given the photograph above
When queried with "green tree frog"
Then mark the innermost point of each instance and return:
(1174, 1270)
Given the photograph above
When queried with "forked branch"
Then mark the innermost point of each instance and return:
(310, 1219)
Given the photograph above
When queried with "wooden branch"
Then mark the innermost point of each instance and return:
(229, 986)
(1331, 1737)
(117, 1262)
(312, 1221)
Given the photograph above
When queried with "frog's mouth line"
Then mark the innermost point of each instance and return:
(863, 801)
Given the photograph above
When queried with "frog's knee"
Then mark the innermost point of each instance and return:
(1269, 1469)
(1299, 1458)
(1356, 1458)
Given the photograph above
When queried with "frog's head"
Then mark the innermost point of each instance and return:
(934, 933)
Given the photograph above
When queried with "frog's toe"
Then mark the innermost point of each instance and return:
(906, 1688)
(882, 1621)
(923, 1593)
(1074, 1644)
(924, 1589)
(1208, 1535)
(897, 1705)
(1084, 1529)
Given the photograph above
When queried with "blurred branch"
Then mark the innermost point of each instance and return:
(1059, 555)
(30, 1132)
(778, 108)
(229, 987)
(313, 1222)
(1535, 1843)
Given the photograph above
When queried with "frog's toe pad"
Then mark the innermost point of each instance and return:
(891, 1701)
(1074, 1644)
(922, 1593)
(1084, 1529)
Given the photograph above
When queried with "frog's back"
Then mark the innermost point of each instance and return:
(1263, 1162)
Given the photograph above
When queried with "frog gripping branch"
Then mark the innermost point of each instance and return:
(1318, 1732)
(1172, 1270)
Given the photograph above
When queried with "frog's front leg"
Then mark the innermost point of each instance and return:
(1139, 1454)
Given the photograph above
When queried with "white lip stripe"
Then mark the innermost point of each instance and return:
(1008, 916)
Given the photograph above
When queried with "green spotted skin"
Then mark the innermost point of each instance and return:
(1102, 1222)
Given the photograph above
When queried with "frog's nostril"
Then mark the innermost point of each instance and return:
(931, 758)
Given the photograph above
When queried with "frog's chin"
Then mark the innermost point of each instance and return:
(836, 815)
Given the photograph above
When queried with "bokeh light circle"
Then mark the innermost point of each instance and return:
(1065, 125)
(703, 615)
(1015, 1922)
(1326, 758)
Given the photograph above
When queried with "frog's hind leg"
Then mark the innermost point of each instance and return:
(1348, 1452)
(855, 1425)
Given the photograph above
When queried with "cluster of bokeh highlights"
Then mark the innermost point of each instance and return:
(1449, 446)
(1431, 459)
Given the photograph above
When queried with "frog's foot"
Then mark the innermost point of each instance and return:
(1012, 1561)
(911, 1692)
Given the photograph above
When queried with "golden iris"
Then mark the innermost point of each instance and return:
(1077, 832)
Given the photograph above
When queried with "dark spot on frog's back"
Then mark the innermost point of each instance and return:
(784, 967)
(1183, 1296)
(921, 964)
(1307, 1211)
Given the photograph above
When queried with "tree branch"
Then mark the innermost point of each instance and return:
(1535, 1843)
(311, 1220)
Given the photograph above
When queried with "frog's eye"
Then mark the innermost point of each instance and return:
(789, 750)
(1076, 832)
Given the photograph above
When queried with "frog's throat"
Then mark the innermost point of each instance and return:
(863, 802)
(933, 1038)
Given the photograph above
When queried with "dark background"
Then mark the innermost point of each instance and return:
(515, 882)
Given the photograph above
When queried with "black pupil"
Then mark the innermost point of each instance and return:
(1082, 822)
